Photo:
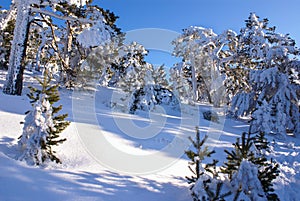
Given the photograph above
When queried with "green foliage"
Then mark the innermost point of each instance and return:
(49, 92)
(197, 156)
(261, 143)
(268, 172)
(241, 151)
(217, 195)
(6, 36)
(244, 149)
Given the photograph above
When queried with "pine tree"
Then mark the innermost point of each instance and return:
(197, 156)
(150, 93)
(202, 50)
(258, 67)
(244, 157)
(206, 184)
(179, 82)
(277, 109)
(43, 124)
(64, 47)
(6, 35)
(246, 182)
(159, 77)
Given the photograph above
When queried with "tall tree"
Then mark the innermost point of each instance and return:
(263, 59)
(7, 24)
(14, 78)
(201, 50)
(258, 48)
(179, 82)
(79, 16)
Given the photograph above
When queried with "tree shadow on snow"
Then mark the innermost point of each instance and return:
(20, 182)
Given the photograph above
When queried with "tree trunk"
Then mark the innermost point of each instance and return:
(65, 76)
(194, 81)
(14, 79)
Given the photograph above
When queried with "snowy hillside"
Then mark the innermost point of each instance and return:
(86, 175)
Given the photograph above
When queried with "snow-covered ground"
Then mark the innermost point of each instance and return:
(110, 155)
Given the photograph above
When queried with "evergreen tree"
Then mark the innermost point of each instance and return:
(6, 36)
(259, 53)
(277, 109)
(43, 124)
(197, 156)
(146, 97)
(136, 68)
(243, 162)
(201, 50)
(64, 45)
(97, 66)
(159, 76)
(179, 83)
(206, 184)
(153, 91)
(247, 183)
(246, 175)
(259, 78)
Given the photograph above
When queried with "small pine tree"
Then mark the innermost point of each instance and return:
(206, 178)
(241, 151)
(267, 171)
(42, 124)
(197, 156)
(261, 143)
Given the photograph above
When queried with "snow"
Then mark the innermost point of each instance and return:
(94, 36)
(84, 176)
(247, 177)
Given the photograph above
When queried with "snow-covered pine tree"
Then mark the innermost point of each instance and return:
(69, 52)
(128, 55)
(197, 155)
(80, 37)
(151, 93)
(205, 182)
(258, 78)
(245, 163)
(43, 124)
(201, 49)
(97, 66)
(135, 67)
(277, 101)
(7, 26)
(160, 77)
(258, 48)
(246, 182)
(179, 83)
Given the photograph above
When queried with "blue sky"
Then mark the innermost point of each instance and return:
(219, 15)
(216, 14)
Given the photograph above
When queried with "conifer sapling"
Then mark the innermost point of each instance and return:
(42, 124)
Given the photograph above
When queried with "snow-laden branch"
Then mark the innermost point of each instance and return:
(9, 16)
(67, 18)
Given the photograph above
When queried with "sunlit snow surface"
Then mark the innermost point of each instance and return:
(83, 177)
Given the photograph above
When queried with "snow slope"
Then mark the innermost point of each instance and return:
(88, 174)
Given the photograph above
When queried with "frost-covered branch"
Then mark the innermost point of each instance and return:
(66, 18)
